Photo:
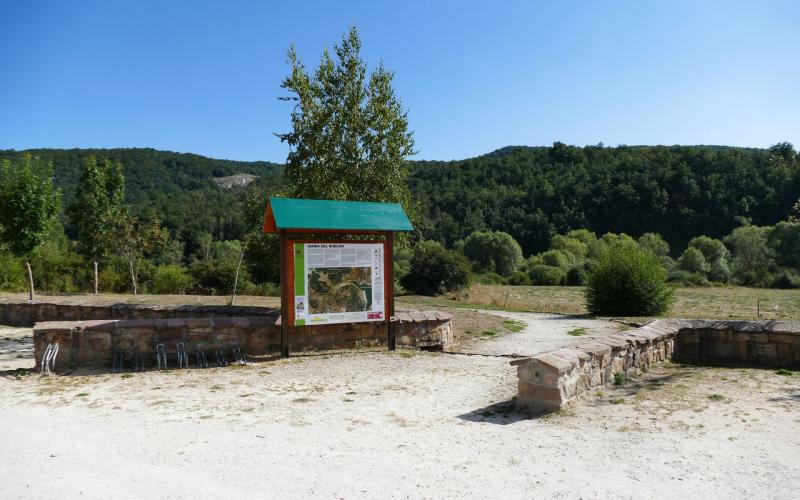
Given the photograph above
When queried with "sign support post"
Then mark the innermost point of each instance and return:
(284, 298)
(390, 282)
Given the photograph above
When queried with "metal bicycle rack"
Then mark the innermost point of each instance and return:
(161, 357)
(220, 355)
(183, 357)
(137, 360)
(237, 354)
(118, 362)
(202, 362)
(49, 359)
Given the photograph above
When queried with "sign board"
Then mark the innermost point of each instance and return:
(338, 282)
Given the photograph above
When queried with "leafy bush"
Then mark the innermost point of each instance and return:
(113, 277)
(655, 244)
(216, 276)
(489, 279)
(785, 279)
(12, 273)
(493, 251)
(546, 275)
(577, 276)
(685, 278)
(171, 278)
(435, 270)
(693, 261)
(627, 281)
(519, 278)
(266, 289)
(557, 258)
(573, 246)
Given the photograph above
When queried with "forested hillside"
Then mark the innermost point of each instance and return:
(677, 191)
(532, 193)
(177, 187)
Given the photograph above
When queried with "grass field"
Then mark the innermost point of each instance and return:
(713, 302)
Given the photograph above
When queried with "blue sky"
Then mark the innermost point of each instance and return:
(204, 77)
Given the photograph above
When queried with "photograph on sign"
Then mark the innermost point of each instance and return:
(338, 283)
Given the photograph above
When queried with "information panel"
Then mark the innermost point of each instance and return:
(338, 283)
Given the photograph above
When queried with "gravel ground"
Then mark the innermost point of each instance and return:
(395, 425)
(542, 332)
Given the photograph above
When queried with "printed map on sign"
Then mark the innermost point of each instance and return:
(338, 283)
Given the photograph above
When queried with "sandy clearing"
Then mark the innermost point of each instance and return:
(542, 332)
(399, 425)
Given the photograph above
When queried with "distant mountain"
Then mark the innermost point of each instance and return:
(530, 192)
(148, 170)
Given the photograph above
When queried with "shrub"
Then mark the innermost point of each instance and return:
(216, 276)
(573, 246)
(627, 281)
(12, 273)
(546, 275)
(655, 244)
(434, 270)
(785, 279)
(558, 258)
(266, 289)
(493, 251)
(519, 278)
(686, 278)
(171, 278)
(693, 261)
(577, 276)
(489, 279)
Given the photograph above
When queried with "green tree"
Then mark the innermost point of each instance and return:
(28, 206)
(693, 261)
(493, 251)
(752, 257)
(135, 240)
(434, 269)
(655, 244)
(784, 240)
(350, 138)
(716, 255)
(98, 204)
(627, 281)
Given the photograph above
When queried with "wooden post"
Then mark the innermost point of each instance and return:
(284, 298)
(389, 266)
(96, 280)
(30, 279)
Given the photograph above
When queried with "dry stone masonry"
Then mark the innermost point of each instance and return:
(554, 379)
(91, 343)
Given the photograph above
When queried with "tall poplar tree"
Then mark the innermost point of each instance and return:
(98, 206)
(28, 206)
(350, 138)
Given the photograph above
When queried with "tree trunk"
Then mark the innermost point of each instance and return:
(96, 280)
(133, 277)
(30, 279)
(236, 278)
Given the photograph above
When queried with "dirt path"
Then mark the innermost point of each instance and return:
(541, 332)
(401, 425)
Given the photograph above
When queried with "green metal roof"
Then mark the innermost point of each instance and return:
(290, 213)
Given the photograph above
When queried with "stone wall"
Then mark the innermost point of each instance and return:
(556, 378)
(774, 344)
(91, 343)
(23, 313)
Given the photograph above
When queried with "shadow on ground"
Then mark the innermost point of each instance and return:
(502, 413)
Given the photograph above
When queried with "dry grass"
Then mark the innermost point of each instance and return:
(713, 302)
